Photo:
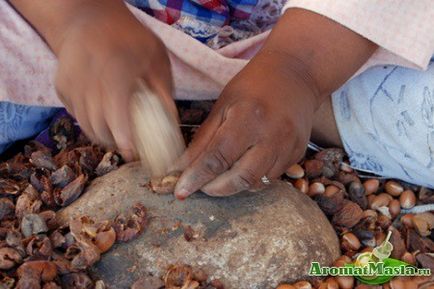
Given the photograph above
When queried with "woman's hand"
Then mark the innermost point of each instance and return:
(262, 121)
(102, 50)
(259, 126)
(100, 60)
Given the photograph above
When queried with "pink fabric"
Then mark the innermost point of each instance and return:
(404, 29)
(27, 66)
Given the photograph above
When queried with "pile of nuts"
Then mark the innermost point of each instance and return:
(35, 250)
(362, 211)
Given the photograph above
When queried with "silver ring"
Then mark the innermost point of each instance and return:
(265, 180)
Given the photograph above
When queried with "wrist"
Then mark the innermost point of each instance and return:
(89, 19)
(295, 73)
(53, 19)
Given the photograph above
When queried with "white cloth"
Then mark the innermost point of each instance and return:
(385, 118)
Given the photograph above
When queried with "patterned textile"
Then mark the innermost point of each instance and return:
(201, 19)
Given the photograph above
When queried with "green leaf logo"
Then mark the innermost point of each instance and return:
(387, 268)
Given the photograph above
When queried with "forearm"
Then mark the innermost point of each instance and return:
(52, 18)
(323, 53)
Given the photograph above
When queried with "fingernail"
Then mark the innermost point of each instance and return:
(182, 194)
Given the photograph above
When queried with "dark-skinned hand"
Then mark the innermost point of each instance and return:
(262, 121)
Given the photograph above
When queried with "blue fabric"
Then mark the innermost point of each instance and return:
(385, 118)
(22, 121)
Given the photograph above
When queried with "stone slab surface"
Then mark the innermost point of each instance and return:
(248, 241)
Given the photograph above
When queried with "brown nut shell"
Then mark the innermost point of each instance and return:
(407, 199)
(393, 188)
(371, 186)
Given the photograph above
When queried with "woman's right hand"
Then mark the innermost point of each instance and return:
(101, 53)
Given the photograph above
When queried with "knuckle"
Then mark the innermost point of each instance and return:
(246, 179)
(215, 162)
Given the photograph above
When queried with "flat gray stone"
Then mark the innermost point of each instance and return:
(248, 241)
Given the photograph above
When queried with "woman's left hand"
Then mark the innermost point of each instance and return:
(259, 126)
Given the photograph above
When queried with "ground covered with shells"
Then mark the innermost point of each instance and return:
(38, 179)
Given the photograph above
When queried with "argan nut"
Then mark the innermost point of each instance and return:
(295, 172)
(342, 261)
(357, 194)
(384, 222)
(345, 282)
(371, 186)
(315, 188)
(394, 208)
(407, 199)
(424, 223)
(313, 168)
(285, 286)
(371, 199)
(407, 220)
(302, 285)
(393, 188)
(302, 185)
(322, 285)
(350, 242)
(409, 258)
(331, 190)
(332, 283)
(331, 201)
(381, 200)
(348, 216)
(347, 178)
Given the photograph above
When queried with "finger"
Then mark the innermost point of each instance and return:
(99, 125)
(200, 141)
(116, 111)
(283, 163)
(245, 174)
(82, 117)
(226, 147)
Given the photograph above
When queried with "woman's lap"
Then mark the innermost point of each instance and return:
(385, 118)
